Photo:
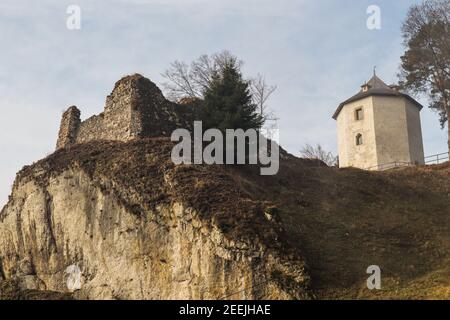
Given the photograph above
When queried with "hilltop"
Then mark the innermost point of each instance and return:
(192, 231)
(343, 220)
(180, 232)
(109, 215)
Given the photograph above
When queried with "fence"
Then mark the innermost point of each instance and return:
(437, 158)
(429, 160)
(391, 165)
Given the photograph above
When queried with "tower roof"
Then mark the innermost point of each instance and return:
(375, 87)
(377, 83)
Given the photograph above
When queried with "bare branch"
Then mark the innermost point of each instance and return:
(191, 81)
(310, 152)
(261, 92)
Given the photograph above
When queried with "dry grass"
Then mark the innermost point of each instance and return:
(340, 220)
(343, 220)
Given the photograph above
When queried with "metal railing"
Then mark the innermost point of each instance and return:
(391, 165)
(428, 160)
(437, 158)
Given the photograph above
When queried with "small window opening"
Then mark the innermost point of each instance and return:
(359, 114)
(359, 139)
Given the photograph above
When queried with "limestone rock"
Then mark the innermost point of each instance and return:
(114, 220)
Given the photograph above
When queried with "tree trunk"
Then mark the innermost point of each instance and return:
(448, 129)
(447, 109)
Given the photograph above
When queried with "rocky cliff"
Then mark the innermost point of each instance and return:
(116, 220)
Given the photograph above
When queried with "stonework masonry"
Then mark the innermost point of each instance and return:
(136, 108)
(69, 127)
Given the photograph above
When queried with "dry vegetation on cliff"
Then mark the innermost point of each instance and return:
(344, 220)
(339, 220)
(143, 176)
(11, 290)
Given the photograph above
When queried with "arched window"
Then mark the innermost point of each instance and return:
(359, 139)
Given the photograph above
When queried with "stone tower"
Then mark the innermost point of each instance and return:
(70, 124)
(379, 128)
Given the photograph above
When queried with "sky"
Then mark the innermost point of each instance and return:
(317, 53)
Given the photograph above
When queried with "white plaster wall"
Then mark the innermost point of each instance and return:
(351, 155)
(414, 133)
(391, 130)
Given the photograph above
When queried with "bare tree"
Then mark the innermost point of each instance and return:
(311, 152)
(261, 92)
(191, 81)
(180, 84)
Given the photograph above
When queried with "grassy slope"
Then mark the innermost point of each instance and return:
(343, 220)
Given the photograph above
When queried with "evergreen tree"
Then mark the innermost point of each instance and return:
(228, 102)
(426, 62)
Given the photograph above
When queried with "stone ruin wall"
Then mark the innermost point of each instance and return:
(136, 108)
(91, 129)
(69, 127)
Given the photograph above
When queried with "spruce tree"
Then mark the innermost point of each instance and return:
(228, 102)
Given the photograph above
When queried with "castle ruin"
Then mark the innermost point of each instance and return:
(136, 108)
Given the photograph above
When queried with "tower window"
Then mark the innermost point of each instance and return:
(359, 114)
(359, 139)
